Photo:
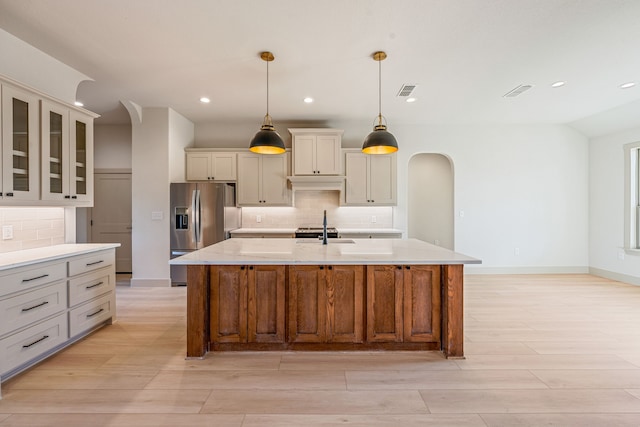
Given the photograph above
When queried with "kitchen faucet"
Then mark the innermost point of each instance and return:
(324, 228)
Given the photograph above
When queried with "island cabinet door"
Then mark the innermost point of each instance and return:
(421, 303)
(384, 303)
(345, 300)
(228, 293)
(307, 302)
(265, 315)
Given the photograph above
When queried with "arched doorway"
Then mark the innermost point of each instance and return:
(430, 213)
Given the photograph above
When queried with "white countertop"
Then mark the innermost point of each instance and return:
(240, 251)
(263, 230)
(50, 253)
(369, 230)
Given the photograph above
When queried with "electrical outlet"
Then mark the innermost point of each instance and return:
(258, 218)
(516, 251)
(373, 218)
(7, 232)
(461, 213)
(436, 242)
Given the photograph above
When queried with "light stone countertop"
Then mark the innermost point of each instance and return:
(245, 230)
(50, 253)
(273, 251)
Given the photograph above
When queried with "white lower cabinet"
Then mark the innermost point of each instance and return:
(45, 306)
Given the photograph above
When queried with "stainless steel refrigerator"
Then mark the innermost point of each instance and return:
(201, 214)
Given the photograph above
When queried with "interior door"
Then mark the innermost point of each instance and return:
(111, 215)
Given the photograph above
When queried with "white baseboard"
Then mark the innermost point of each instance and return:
(632, 280)
(470, 269)
(150, 283)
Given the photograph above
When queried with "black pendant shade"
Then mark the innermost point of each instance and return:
(379, 141)
(267, 140)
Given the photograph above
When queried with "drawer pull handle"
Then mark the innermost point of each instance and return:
(97, 312)
(35, 306)
(35, 278)
(89, 264)
(93, 286)
(36, 341)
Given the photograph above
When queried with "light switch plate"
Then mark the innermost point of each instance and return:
(7, 232)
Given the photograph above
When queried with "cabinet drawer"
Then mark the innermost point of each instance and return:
(91, 314)
(30, 343)
(21, 310)
(29, 277)
(92, 262)
(91, 285)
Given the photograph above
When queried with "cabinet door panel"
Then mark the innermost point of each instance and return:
(198, 166)
(382, 179)
(328, 154)
(306, 304)
(81, 157)
(384, 303)
(345, 297)
(274, 179)
(422, 303)
(356, 170)
(249, 179)
(266, 303)
(223, 166)
(304, 156)
(228, 304)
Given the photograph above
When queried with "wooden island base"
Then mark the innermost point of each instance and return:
(325, 308)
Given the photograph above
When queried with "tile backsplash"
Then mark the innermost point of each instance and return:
(32, 227)
(308, 211)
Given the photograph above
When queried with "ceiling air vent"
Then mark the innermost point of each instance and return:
(517, 91)
(406, 90)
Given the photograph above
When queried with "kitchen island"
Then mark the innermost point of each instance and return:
(351, 294)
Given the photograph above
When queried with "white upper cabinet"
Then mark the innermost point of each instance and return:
(211, 166)
(20, 149)
(316, 151)
(67, 155)
(370, 179)
(262, 179)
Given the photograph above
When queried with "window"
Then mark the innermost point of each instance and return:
(632, 196)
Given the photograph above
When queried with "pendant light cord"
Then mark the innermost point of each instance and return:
(267, 87)
(380, 91)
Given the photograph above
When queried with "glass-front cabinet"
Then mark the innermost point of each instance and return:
(67, 154)
(20, 145)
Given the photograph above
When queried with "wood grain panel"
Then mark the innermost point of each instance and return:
(228, 303)
(345, 295)
(384, 303)
(198, 312)
(307, 316)
(266, 303)
(422, 303)
(452, 315)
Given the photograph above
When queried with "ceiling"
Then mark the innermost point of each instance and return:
(464, 55)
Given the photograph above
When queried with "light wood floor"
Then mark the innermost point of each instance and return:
(541, 350)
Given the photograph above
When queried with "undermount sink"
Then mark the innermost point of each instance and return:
(329, 241)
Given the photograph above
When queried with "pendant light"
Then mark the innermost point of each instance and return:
(380, 141)
(267, 140)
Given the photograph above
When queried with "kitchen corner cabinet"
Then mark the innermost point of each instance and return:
(316, 151)
(326, 304)
(370, 179)
(403, 303)
(262, 179)
(47, 305)
(67, 155)
(247, 304)
(211, 166)
(20, 168)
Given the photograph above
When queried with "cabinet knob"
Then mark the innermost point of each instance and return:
(398, 267)
(330, 267)
(321, 267)
(242, 267)
(67, 197)
(408, 267)
(74, 197)
(251, 267)
(9, 194)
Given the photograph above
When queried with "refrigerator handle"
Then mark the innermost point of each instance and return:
(195, 209)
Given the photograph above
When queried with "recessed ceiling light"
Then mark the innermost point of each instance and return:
(78, 104)
(627, 85)
(205, 100)
(412, 99)
(308, 100)
(558, 84)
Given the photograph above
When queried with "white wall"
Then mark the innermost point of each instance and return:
(155, 139)
(606, 208)
(112, 146)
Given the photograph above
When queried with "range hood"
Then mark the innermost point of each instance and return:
(317, 183)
